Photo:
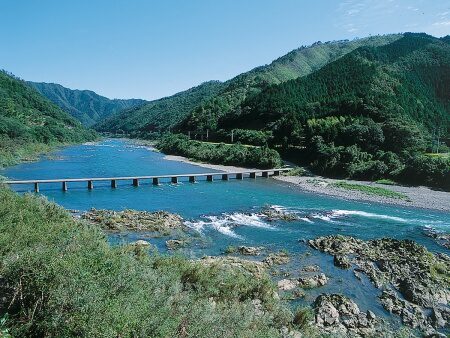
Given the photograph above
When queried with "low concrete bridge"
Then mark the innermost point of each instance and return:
(239, 175)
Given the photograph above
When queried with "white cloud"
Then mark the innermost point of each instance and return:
(442, 23)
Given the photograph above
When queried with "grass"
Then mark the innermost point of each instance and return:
(297, 171)
(376, 191)
(386, 181)
(61, 278)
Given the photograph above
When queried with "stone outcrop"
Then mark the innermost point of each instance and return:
(287, 284)
(313, 281)
(342, 262)
(160, 222)
(276, 258)
(250, 250)
(398, 266)
(274, 214)
(440, 237)
(338, 315)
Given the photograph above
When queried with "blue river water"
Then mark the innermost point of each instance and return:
(228, 213)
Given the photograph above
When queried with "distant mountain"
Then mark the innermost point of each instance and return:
(29, 122)
(85, 105)
(376, 112)
(409, 77)
(162, 114)
(218, 99)
(297, 63)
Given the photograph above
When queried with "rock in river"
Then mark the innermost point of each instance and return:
(250, 250)
(338, 315)
(313, 281)
(276, 258)
(161, 222)
(399, 266)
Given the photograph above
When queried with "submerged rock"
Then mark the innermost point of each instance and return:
(161, 222)
(419, 276)
(173, 244)
(440, 237)
(311, 268)
(337, 314)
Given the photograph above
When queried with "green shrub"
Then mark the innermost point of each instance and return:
(228, 154)
(60, 278)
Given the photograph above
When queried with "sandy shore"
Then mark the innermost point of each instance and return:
(417, 197)
(219, 167)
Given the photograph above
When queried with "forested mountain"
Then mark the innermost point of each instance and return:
(200, 107)
(85, 105)
(162, 114)
(368, 114)
(29, 123)
(297, 63)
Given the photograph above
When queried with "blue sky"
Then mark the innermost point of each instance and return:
(150, 49)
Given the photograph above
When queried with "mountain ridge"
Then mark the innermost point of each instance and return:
(30, 123)
(85, 105)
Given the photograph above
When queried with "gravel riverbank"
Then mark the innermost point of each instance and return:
(417, 197)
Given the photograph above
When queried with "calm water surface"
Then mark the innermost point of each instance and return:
(227, 213)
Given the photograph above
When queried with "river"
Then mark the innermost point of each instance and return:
(227, 212)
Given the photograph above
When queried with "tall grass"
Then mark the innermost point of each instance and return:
(60, 278)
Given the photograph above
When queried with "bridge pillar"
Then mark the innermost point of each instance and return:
(265, 174)
(192, 179)
(64, 186)
(90, 185)
(239, 176)
(175, 180)
(36, 187)
(253, 175)
(225, 177)
(135, 182)
(276, 173)
(209, 178)
(113, 184)
(155, 181)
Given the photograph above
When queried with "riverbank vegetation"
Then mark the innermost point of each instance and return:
(375, 113)
(30, 124)
(377, 191)
(220, 153)
(61, 278)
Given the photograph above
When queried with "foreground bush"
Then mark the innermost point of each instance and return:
(60, 278)
(228, 154)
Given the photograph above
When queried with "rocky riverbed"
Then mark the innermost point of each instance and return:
(159, 222)
(414, 283)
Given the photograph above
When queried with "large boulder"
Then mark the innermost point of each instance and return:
(250, 250)
(313, 281)
(337, 314)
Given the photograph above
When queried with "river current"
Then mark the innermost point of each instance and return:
(227, 213)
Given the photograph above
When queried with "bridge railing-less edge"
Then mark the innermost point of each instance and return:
(155, 179)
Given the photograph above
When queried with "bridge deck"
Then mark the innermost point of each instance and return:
(126, 178)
